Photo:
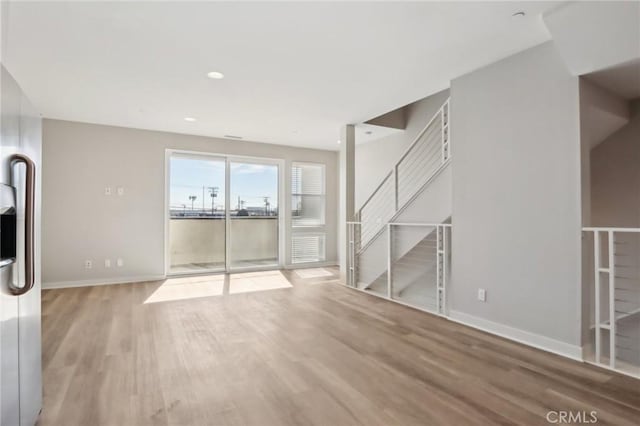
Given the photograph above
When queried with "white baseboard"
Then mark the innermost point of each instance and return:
(137, 279)
(310, 265)
(521, 336)
(101, 281)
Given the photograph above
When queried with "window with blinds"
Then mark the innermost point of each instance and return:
(308, 205)
(307, 247)
(307, 194)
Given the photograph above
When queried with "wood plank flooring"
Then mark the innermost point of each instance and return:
(279, 349)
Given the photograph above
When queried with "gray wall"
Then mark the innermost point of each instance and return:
(602, 113)
(80, 222)
(516, 195)
(615, 202)
(615, 176)
(374, 160)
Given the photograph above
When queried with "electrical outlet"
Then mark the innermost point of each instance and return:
(88, 264)
(107, 263)
(120, 262)
(107, 190)
(482, 295)
(120, 191)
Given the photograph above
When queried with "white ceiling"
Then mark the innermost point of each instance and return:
(295, 72)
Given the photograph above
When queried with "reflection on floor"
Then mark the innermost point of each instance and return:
(217, 285)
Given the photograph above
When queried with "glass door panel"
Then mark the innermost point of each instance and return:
(197, 220)
(253, 214)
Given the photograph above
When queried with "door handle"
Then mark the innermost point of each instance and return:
(29, 223)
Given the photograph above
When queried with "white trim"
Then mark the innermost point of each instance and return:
(619, 369)
(514, 334)
(610, 229)
(387, 298)
(280, 163)
(425, 224)
(147, 278)
(521, 336)
(227, 214)
(167, 183)
(310, 265)
(199, 154)
(102, 281)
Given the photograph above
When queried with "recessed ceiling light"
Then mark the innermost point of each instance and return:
(338, 141)
(189, 119)
(519, 14)
(216, 75)
(368, 132)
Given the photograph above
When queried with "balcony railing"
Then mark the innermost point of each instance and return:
(198, 243)
(429, 154)
(612, 260)
(411, 265)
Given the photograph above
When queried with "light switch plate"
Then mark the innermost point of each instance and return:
(482, 295)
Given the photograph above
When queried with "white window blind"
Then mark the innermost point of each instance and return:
(308, 194)
(308, 205)
(307, 247)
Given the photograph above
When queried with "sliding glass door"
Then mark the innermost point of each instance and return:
(210, 232)
(197, 220)
(253, 233)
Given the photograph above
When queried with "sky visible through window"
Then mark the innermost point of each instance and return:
(194, 180)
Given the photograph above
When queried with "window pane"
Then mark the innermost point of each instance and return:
(253, 239)
(308, 195)
(308, 248)
(307, 210)
(307, 179)
(197, 215)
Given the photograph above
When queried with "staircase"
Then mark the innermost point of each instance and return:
(399, 244)
(614, 257)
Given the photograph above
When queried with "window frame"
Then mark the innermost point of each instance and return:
(302, 230)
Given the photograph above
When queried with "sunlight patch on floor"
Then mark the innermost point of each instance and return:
(257, 281)
(182, 288)
(313, 273)
(188, 288)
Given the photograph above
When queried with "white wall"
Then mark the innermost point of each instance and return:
(595, 35)
(374, 160)
(80, 222)
(516, 198)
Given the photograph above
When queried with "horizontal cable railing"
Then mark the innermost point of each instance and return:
(379, 210)
(411, 265)
(424, 158)
(614, 257)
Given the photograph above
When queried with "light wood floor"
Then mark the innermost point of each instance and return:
(306, 352)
